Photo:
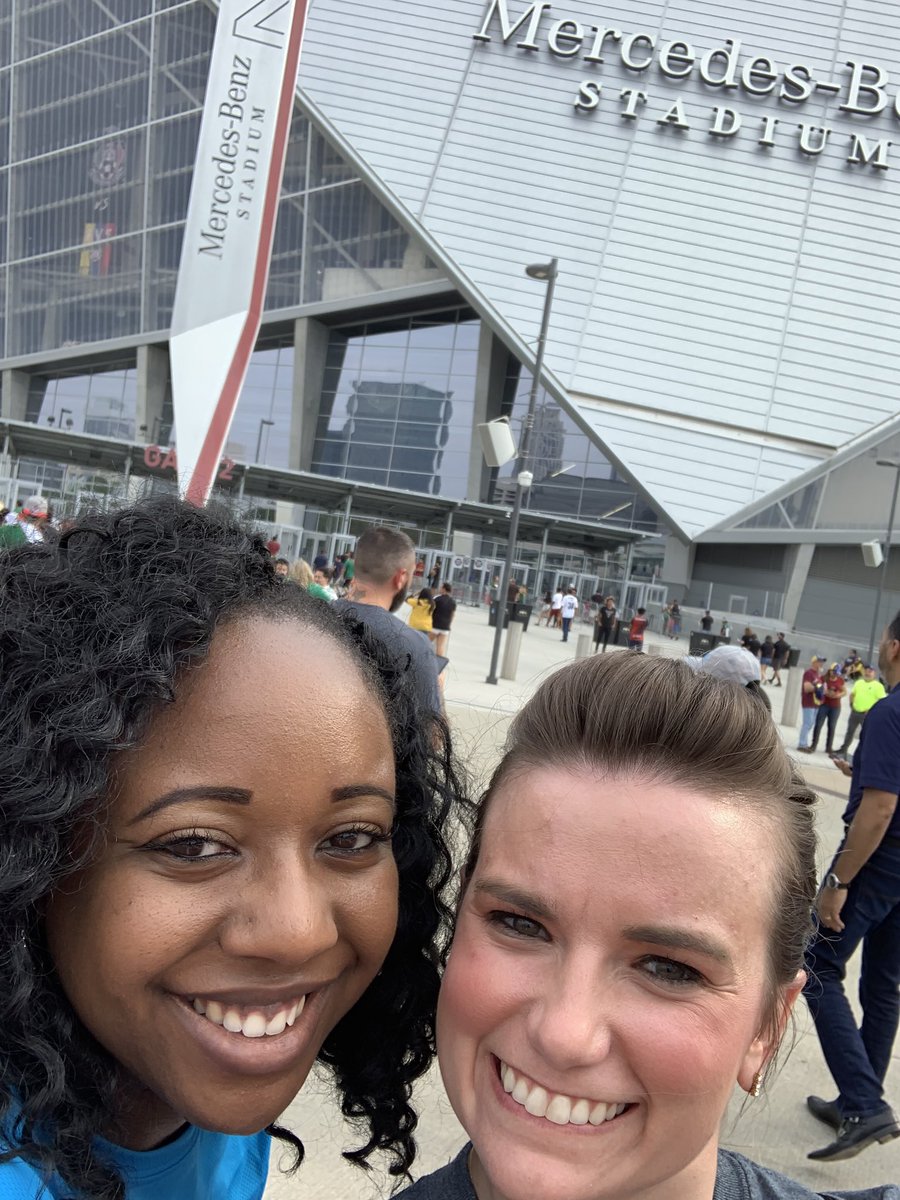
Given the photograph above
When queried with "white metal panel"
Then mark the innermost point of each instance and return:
(705, 277)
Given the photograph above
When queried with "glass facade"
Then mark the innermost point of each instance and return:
(572, 476)
(398, 403)
(100, 104)
(103, 402)
(261, 428)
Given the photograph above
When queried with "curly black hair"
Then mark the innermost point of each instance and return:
(96, 631)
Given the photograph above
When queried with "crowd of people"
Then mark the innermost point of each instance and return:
(230, 816)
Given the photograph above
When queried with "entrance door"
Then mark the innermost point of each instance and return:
(737, 604)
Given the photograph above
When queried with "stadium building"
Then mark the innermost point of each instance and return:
(718, 184)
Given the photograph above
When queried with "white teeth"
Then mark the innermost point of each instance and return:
(536, 1104)
(276, 1025)
(232, 1021)
(255, 1025)
(554, 1107)
(559, 1110)
(215, 1011)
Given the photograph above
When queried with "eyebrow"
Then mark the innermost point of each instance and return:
(354, 791)
(673, 938)
(513, 896)
(225, 795)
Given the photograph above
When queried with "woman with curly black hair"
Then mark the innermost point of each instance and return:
(215, 866)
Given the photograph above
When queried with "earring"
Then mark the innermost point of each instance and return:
(756, 1086)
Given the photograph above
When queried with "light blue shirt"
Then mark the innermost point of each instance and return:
(198, 1165)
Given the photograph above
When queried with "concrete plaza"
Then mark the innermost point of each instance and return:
(775, 1130)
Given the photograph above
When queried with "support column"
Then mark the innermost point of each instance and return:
(490, 376)
(447, 544)
(152, 381)
(542, 558)
(15, 395)
(310, 356)
(798, 572)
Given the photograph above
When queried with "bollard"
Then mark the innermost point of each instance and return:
(514, 631)
(790, 710)
(652, 649)
(583, 646)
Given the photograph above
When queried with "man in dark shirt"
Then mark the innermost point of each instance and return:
(385, 562)
(860, 903)
(706, 622)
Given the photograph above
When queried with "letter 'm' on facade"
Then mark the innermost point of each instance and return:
(862, 152)
(498, 8)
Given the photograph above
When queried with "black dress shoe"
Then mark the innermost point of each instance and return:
(856, 1133)
(825, 1110)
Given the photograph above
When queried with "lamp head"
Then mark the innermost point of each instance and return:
(543, 271)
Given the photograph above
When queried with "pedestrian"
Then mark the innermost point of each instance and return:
(766, 655)
(675, 621)
(544, 614)
(605, 624)
(556, 609)
(636, 630)
(385, 566)
(706, 622)
(567, 612)
(812, 693)
(301, 573)
(273, 545)
(751, 642)
(434, 575)
(865, 695)
(349, 571)
(780, 656)
(830, 708)
(609, 986)
(320, 560)
(26, 524)
(860, 904)
(421, 612)
(205, 777)
(323, 578)
(512, 591)
(725, 630)
(442, 618)
(853, 666)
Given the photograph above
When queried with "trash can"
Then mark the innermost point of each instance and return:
(701, 643)
(794, 658)
(522, 614)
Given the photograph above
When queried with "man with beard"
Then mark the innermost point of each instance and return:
(859, 904)
(385, 563)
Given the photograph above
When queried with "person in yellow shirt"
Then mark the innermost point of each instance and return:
(866, 693)
(422, 610)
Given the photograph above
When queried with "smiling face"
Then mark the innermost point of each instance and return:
(602, 997)
(247, 893)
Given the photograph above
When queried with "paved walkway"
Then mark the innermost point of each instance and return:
(775, 1130)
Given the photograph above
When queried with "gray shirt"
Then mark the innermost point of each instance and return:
(412, 650)
(736, 1179)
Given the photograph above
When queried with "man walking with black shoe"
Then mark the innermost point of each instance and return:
(860, 903)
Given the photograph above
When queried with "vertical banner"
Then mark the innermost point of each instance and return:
(230, 225)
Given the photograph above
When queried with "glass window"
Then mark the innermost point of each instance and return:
(261, 428)
(100, 402)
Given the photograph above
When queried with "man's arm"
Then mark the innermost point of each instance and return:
(868, 827)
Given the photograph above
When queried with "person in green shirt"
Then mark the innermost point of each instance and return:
(866, 693)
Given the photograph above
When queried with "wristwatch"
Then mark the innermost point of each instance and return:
(834, 884)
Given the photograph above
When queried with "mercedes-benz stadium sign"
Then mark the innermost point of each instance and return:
(230, 225)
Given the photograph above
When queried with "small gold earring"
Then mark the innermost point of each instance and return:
(756, 1086)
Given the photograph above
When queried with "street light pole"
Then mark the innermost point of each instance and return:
(263, 422)
(547, 272)
(895, 466)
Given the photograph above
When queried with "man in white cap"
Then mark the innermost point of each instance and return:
(733, 664)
